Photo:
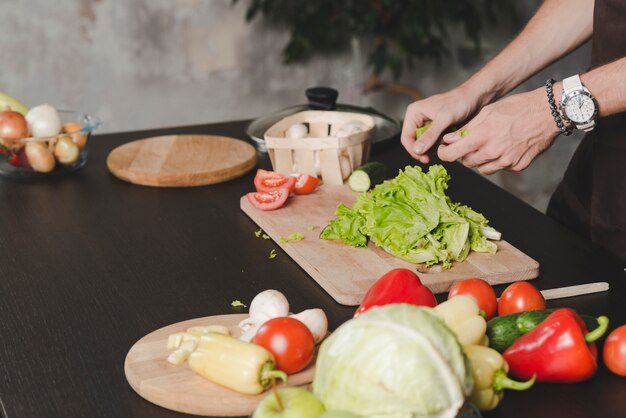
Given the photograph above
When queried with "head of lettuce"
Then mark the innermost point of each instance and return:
(411, 217)
(393, 361)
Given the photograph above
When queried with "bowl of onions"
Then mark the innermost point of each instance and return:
(44, 141)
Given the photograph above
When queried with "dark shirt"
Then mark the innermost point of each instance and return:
(591, 198)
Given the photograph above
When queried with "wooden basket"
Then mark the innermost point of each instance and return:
(326, 150)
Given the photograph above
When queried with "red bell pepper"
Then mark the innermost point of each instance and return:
(397, 286)
(559, 349)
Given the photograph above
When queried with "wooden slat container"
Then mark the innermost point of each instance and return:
(326, 150)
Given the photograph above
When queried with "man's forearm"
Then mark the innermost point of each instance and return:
(558, 27)
(608, 84)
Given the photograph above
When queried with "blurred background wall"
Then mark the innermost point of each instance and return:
(153, 63)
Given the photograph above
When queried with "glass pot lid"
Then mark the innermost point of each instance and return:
(387, 128)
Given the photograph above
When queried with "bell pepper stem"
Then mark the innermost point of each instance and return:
(268, 374)
(502, 381)
(603, 324)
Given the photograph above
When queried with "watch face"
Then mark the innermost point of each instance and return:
(579, 108)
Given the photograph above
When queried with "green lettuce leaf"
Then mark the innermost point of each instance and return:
(411, 217)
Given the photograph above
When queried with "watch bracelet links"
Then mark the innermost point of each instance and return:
(555, 113)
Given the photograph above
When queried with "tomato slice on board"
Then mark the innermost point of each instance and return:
(266, 181)
(305, 183)
(268, 201)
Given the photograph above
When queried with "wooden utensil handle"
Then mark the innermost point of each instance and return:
(581, 289)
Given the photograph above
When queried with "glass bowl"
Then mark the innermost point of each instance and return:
(52, 155)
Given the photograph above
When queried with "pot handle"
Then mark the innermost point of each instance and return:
(322, 98)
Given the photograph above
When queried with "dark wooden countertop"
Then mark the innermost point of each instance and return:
(89, 264)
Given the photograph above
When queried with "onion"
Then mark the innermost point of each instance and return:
(66, 151)
(40, 157)
(44, 121)
(74, 129)
(12, 125)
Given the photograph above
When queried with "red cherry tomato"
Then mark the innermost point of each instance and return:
(481, 291)
(19, 158)
(519, 297)
(289, 340)
(268, 201)
(305, 183)
(614, 352)
(267, 181)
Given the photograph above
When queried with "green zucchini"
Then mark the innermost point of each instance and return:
(367, 176)
(504, 330)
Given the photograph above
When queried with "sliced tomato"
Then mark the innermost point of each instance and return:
(266, 181)
(268, 200)
(305, 183)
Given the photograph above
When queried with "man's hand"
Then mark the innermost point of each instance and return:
(443, 110)
(505, 135)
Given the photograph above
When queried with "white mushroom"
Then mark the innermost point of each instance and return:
(266, 305)
(351, 128)
(296, 131)
(316, 322)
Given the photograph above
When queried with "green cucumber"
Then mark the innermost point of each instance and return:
(504, 330)
(367, 176)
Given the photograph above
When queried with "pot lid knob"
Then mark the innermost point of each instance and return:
(322, 98)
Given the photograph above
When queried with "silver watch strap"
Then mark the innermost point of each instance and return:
(587, 126)
(571, 84)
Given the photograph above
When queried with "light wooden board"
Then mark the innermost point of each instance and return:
(346, 273)
(178, 387)
(181, 160)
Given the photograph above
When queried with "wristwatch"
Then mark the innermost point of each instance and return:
(578, 106)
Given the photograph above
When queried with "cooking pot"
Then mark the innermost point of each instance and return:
(386, 131)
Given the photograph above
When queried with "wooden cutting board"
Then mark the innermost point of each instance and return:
(181, 389)
(346, 273)
(181, 160)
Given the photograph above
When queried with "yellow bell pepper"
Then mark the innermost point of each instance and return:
(238, 365)
(461, 314)
(489, 371)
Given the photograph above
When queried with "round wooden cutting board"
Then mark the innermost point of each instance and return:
(181, 389)
(181, 160)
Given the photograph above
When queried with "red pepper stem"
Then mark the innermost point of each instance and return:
(603, 324)
(502, 381)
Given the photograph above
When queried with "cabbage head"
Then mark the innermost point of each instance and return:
(397, 361)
